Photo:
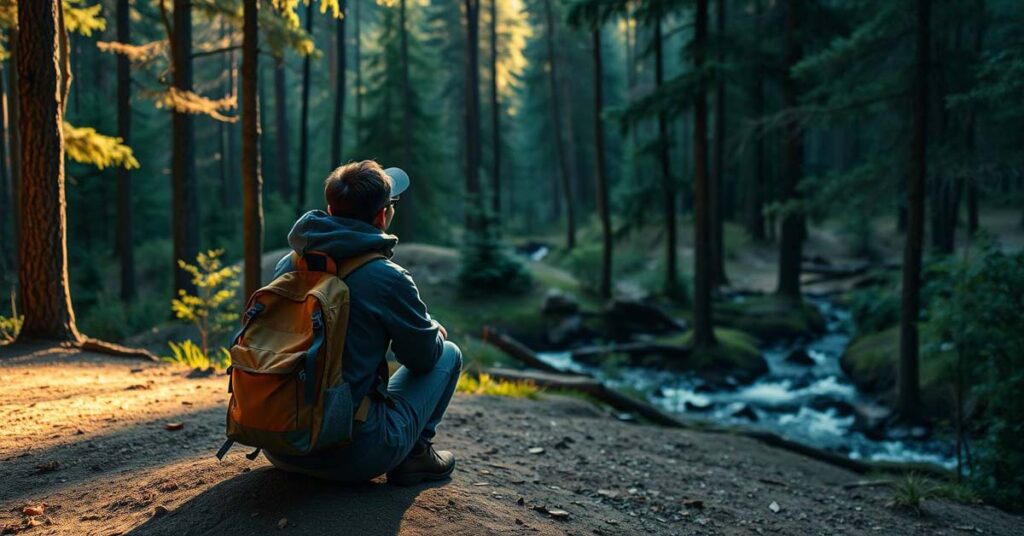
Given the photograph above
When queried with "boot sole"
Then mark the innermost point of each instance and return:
(411, 479)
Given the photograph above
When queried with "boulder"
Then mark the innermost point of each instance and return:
(557, 302)
(634, 316)
(746, 412)
(823, 403)
(799, 356)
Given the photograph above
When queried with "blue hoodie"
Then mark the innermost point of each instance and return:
(385, 306)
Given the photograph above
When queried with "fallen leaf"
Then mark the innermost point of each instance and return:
(774, 507)
(283, 523)
(536, 450)
(33, 509)
(173, 426)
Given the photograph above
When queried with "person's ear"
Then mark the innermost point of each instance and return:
(381, 218)
(329, 211)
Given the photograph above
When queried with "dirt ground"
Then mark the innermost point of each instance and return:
(84, 438)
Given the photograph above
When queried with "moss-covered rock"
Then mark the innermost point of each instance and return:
(736, 355)
(872, 363)
(771, 317)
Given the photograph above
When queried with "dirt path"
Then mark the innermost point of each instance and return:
(84, 436)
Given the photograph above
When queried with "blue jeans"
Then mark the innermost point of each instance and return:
(389, 434)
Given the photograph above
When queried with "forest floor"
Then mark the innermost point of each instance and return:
(86, 440)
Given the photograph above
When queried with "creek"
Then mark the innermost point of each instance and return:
(812, 402)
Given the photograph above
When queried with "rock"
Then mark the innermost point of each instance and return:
(567, 330)
(800, 357)
(160, 510)
(33, 509)
(823, 403)
(774, 507)
(557, 302)
(698, 408)
(558, 514)
(696, 504)
(47, 467)
(536, 450)
(746, 412)
(282, 523)
(870, 419)
(173, 426)
(200, 373)
(634, 316)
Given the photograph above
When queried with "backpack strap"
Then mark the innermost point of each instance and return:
(352, 264)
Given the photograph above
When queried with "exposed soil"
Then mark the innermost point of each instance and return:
(84, 436)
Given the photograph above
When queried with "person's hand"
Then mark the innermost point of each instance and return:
(441, 330)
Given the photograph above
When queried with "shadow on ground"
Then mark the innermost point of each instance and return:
(255, 502)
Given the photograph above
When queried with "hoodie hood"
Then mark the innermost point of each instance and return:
(340, 238)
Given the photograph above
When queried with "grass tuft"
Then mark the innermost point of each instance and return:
(189, 354)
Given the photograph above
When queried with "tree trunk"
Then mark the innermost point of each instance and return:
(358, 57)
(407, 87)
(43, 264)
(667, 183)
(908, 398)
(703, 332)
(222, 129)
(184, 203)
(6, 188)
(472, 114)
(13, 106)
(252, 181)
(300, 185)
(716, 187)
(601, 176)
(337, 140)
(281, 131)
(791, 241)
(556, 121)
(755, 192)
(495, 113)
(125, 244)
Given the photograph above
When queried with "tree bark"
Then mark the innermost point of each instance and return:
(668, 186)
(43, 262)
(791, 241)
(184, 202)
(125, 244)
(472, 114)
(703, 331)
(495, 114)
(338, 120)
(716, 187)
(6, 188)
(13, 106)
(252, 181)
(358, 57)
(556, 121)
(407, 87)
(300, 185)
(755, 192)
(281, 134)
(908, 397)
(601, 175)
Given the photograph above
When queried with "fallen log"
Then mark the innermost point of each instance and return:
(592, 387)
(516, 350)
(633, 349)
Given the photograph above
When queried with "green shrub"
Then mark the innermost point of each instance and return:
(11, 326)
(874, 309)
(188, 354)
(212, 309)
(977, 323)
(113, 320)
(488, 266)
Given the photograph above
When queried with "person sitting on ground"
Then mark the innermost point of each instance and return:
(385, 310)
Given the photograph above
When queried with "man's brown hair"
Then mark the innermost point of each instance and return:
(357, 190)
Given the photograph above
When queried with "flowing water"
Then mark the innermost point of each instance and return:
(815, 404)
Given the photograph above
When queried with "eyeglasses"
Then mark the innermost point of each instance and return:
(393, 202)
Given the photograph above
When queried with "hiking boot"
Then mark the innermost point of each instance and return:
(427, 465)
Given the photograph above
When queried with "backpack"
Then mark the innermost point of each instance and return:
(287, 391)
